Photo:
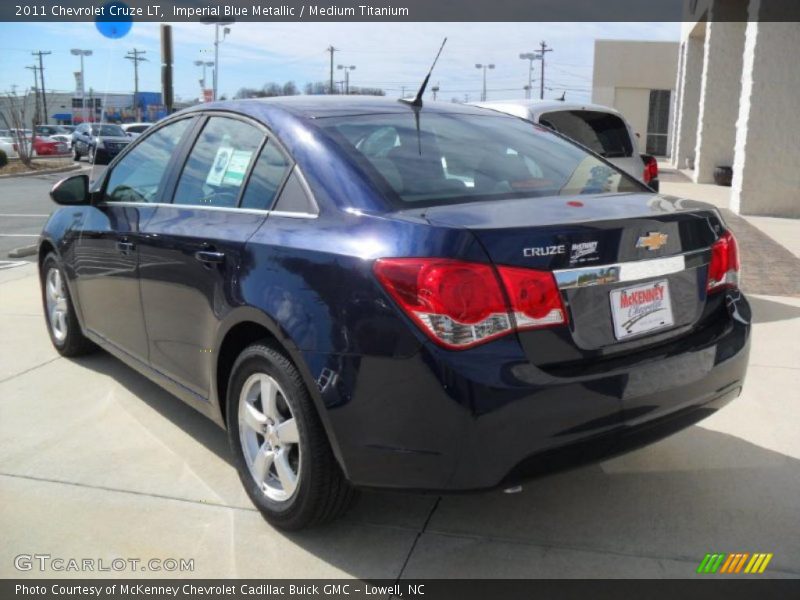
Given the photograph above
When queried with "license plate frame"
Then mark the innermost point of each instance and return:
(641, 309)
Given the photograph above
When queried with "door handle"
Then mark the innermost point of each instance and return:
(210, 256)
(126, 247)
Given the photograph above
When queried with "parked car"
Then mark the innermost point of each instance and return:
(9, 146)
(601, 129)
(45, 146)
(66, 138)
(368, 293)
(99, 141)
(135, 129)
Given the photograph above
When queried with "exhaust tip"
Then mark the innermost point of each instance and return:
(516, 489)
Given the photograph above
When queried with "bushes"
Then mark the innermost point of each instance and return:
(3, 159)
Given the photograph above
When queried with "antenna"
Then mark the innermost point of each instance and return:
(417, 101)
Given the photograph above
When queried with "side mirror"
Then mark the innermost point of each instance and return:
(71, 191)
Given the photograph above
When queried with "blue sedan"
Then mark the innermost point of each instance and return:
(371, 293)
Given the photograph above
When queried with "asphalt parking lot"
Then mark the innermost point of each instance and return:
(96, 461)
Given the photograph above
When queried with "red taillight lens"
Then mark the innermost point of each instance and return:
(723, 271)
(650, 169)
(461, 304)
(534, 297)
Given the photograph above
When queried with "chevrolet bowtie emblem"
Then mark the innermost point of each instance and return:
(652, 241)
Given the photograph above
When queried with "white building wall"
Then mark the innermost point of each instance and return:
(720, 89)
(686, 125)
(766, 177)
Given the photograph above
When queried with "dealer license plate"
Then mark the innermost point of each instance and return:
(641, 309)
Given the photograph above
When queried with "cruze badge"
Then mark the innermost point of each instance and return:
(652, 241)
(544, 250)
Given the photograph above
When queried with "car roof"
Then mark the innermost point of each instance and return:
(320, 107)
(539, 107)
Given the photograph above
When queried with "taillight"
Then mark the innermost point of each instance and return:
(723, 271)
(535, 299)
(650, 169)
(461, 304)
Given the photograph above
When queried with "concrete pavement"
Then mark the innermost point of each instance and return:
(96, 461)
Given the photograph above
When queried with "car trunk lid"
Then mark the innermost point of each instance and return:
(631, 268)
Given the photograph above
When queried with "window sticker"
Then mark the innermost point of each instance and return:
(219, 166)
(237, 167)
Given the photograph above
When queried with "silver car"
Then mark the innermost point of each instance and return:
(601, 129)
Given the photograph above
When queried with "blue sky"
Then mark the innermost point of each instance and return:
(386, 55)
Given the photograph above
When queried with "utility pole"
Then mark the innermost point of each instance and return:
(35, 70)
(136, 56)
(331, 49)
(435, 90)
(530, 57)
(484, 67)
(40, 54)
(542, 51)
(346, 69)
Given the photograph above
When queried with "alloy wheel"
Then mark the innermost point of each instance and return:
(56, 297)
(269, 437)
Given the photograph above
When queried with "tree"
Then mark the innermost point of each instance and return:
(16, 112)
(290, 89)
(316, 88)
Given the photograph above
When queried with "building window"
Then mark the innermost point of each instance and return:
(658, 122)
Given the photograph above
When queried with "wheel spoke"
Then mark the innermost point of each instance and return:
(286, 475)
(254, 419)
(62, 321)
(269, 398)
(262, 462)
(287, 432)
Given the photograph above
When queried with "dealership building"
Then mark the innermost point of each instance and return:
(736, 103)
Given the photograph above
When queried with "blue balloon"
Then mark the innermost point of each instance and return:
(114, 27)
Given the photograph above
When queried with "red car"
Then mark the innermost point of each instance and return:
(44, 146)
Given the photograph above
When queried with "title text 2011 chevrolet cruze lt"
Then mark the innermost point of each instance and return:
(368, 293)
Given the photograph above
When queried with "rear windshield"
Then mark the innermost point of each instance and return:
(450, 158)
(137, 128)
(108, 130)
(601, 132)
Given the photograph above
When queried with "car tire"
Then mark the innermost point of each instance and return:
(76, 156)
(59, 312)
(288, 471)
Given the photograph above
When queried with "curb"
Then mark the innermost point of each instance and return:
(42, 172)
(23, 251)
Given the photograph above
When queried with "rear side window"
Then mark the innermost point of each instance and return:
(601, 132)
(138, 176)
(266, 178)
(294, 197)
(215, 170)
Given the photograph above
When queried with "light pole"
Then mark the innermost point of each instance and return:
(225, 31)
(484, 67)
(82, 53)
(530, 57)
(204, 64)
(347, 70)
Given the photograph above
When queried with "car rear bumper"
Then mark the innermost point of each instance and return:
(486, 417)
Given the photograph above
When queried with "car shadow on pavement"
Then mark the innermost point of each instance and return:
(652, 513)
(767, 311)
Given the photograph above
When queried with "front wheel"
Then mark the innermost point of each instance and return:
(62, 323)
(279, 444)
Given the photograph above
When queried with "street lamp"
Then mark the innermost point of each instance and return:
(82, 53)
(225, 31)
(347, 70)
(530, 57)
(204, 64)
(484, 67)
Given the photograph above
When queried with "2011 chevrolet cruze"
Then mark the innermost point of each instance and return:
(365, 292)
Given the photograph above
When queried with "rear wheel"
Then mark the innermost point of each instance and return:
(62, 323)
(280, 448)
